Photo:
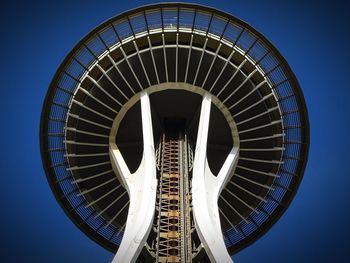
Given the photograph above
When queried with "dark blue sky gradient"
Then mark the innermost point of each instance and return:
(312, 35)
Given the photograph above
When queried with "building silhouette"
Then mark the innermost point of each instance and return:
(174, 133)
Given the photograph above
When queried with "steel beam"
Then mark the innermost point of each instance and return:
(206, 189)
(141, 187)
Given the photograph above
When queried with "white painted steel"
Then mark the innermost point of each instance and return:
(206, 189)
(141, 187)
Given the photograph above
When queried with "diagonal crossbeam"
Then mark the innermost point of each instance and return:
(206, 189)
(141, 187)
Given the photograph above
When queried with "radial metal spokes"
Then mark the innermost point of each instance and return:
(181, 47)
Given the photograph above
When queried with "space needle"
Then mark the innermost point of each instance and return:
(174, 132)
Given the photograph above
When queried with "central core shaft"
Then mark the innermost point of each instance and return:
(174, 215)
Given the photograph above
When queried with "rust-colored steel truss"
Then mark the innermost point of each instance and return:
(174, 220)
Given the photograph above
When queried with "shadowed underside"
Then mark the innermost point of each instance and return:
(177, 45)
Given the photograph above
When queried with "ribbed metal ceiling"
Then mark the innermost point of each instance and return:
(176, 43)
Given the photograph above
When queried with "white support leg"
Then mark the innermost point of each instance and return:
(206, 189)
(141, 187)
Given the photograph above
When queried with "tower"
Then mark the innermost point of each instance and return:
(174, 133)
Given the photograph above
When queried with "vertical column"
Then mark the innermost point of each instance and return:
(174, 231)
(141, 187)
(186, 238)
(206, 189)
(169, 228)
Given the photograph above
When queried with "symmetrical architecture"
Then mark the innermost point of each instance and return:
(174, 133)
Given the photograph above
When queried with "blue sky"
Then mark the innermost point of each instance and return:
(312, 35)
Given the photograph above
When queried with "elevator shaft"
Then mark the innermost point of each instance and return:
(174, 219)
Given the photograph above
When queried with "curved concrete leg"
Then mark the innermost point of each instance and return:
(141, 187)
(206, 189)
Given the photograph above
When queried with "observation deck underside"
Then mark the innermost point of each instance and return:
(178, 54)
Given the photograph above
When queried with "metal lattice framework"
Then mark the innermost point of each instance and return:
(196, 47)
(169, 221)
